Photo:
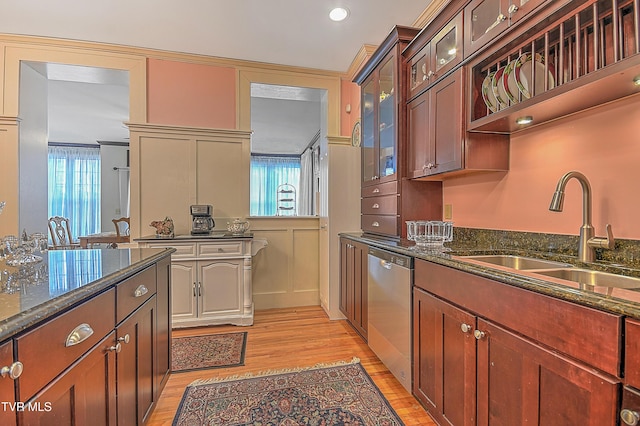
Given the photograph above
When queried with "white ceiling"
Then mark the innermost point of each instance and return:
(90, 104)
(287, 32)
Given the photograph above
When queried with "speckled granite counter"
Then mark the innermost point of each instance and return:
(73, 275)
(619, 301)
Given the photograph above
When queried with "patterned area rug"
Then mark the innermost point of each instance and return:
(337, 395)
(209, 351)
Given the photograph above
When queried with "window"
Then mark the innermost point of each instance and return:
(267, 173)
(74, 187)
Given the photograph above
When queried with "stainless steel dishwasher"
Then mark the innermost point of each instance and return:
(389, 332)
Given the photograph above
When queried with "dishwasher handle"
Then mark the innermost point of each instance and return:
(385, 264)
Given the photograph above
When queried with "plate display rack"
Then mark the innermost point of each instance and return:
(591, 38)
(286, 202)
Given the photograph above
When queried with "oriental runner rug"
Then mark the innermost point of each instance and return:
(341, 394)
(208, 351)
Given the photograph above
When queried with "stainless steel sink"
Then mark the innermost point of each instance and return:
(588, 277)
(517, 262)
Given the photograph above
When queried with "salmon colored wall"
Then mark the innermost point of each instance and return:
(603, 143)
(187, 94)
(349, 95)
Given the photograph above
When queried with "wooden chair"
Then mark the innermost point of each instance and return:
(61, 234)
(122, 229)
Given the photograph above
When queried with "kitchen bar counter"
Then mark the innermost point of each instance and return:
(618, 301)
(65, 278)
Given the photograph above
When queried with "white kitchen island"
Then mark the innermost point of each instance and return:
(210, 277)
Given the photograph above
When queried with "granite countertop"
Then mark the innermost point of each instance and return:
(615, 300)
(64, 278)
(216, 235)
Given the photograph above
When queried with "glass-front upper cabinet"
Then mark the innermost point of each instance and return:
(440, 55)
(387, 119)
(368, 126)
(488, 18)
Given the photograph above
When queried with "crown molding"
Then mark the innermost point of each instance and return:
(434, 8)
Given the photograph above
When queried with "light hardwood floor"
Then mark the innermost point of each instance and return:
(288, 338)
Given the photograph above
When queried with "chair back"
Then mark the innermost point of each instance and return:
(61, 233)
(122, 226)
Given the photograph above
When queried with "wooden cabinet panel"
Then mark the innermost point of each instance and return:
(630, 407)
(84, 394)
(584, 333)
(446, 129)
(220, 249)
(444, 357)
(420, 149)
(632, 353)
(96, 318)
(7, 385)
(379, 224)
(134, 291)
(523, 383)
(183, 291)
(353, 284)
(135, 365)
(380, 189)
(163, 325)
(219, 287)
(387, 204)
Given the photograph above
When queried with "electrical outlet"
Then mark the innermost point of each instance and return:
(448, 211)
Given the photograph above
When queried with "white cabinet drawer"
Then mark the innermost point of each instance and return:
(220, 249)
(183, 250)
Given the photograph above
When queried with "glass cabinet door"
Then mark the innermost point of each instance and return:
(486, 18)
(420, 70)
(387, 119)
(368, 131)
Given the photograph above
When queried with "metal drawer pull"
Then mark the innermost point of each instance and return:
(375, 224)
(220, 250)
(13, 371)
(124, 338)
(117, 348)
(141, 291)
(375, 190)
(79, 335)
(375, 206)
(629, 417)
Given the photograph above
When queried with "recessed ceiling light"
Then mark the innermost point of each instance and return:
(338, 14)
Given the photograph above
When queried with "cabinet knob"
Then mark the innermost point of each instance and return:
(512, 9)
(376, 190)
(126, 338)
(117, 348)
(376, 224)
(13, 371)
(375, 206)
(479, 334)
(629, 417)
(466, 328)
(430, 74)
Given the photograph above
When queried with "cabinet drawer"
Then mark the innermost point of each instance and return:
(379, 224)
(44, 351)
(380, 189)
(182, 250)
(220, 249)
(632, 353)
(133, 292)
(386, 204)
(584, 333)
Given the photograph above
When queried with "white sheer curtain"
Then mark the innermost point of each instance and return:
(267, 172)
(74, 187)
(305, 205)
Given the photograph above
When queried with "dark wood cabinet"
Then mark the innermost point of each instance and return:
(480, 358)
(136, 361)
(84, 394)
(353, 284)
(7, 384)
(163, 326)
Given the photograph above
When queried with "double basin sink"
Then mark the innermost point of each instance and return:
(584, 277)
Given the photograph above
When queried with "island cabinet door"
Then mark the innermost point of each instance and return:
(522, 383)
(135, 365)
(220, 287)
(183, 291)
(84, 394)
(7, 386)
(444, 356)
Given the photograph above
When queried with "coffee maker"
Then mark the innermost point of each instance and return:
(202, 221)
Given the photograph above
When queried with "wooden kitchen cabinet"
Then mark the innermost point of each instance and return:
(480, 358)
(7, 384)
(437, 142)
(487, 19)
(136, 359)
(85, 394)
(163, 326)
(210, 281)
(353, 284)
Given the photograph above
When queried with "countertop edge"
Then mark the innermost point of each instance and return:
(31, 317)
(538, 285)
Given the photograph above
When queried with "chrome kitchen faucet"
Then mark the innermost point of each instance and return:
(588, 240)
